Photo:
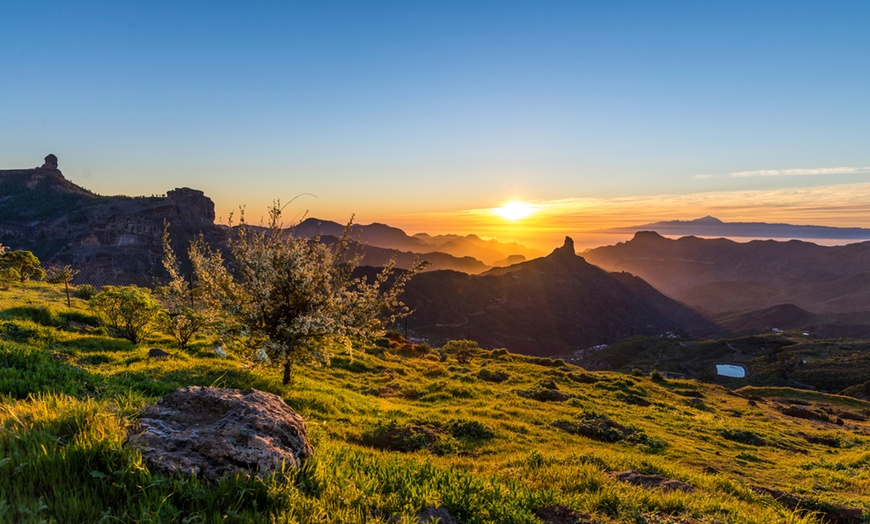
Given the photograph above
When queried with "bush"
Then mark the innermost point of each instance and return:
(128, 310)
(84, 291)
(462, 350)
(492, 376)
(657, 376)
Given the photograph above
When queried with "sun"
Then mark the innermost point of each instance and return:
(514, 210)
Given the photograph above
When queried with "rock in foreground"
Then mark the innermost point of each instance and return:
(211, 432)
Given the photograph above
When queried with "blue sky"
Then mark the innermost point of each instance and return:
(388, 109)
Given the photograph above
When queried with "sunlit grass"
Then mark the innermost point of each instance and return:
(67, 395)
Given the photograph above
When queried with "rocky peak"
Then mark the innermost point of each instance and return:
(567, 249)
(50, 162)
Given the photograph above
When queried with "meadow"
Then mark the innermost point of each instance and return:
(399, 429)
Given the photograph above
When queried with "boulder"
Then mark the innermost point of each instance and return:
(158, 353)
(212, 432)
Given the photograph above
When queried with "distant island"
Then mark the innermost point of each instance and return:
(709, 226)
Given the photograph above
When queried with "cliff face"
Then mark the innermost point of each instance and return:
(112, 240)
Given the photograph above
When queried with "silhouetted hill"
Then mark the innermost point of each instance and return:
(547, 306)
(723, 277)
(490, 252)
(382, 242)
(854, 324)
(713, 227)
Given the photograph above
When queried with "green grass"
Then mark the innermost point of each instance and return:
(395, 434)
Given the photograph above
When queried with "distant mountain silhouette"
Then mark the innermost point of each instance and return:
(490, 252)
(551, 305)
(713, 227)
(722, 277)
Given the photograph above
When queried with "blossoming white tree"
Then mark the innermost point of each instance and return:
(293, 299)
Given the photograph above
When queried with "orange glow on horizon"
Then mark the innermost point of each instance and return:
(514, 210)
(593, 222)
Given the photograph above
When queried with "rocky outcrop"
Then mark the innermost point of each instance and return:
(111, 240)
(211, 432)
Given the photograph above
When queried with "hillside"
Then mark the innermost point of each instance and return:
(554, 305)
(783, 358)
(723, 277)
(398, 433)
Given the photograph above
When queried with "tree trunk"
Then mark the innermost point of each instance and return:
(288, 378)
(66, 284)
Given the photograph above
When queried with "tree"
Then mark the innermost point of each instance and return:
(288, 300)
(182, 319)
(463, 350)
(64, 274)
(128, 310)
(8, 276)
(24, 262)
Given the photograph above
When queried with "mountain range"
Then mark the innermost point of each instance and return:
(117, 239)
(709, 226)
(551, 305)
(753, 285)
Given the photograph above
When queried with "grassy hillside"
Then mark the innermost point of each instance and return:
(504, 438)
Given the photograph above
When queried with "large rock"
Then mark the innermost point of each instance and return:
(210, 432)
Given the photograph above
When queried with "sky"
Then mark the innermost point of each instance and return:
(430, 115)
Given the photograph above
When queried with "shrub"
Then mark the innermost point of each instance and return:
(470, 431)
(462, 350)
(127, 310)
(408, 437)
(743, 437)
(84, 291)
(497, 376)
(657, 376)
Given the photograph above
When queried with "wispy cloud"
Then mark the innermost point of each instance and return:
(812, 171)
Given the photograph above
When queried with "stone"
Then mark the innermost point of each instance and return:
(652, 481)
(212, 432)
(158, 353)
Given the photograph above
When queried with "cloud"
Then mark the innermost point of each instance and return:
(813, 171)
(703, 177)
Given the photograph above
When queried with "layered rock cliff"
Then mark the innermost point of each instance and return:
(111, 239)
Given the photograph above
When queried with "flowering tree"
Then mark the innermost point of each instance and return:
(289, 300)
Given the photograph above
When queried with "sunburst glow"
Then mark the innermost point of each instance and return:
(514, 210)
